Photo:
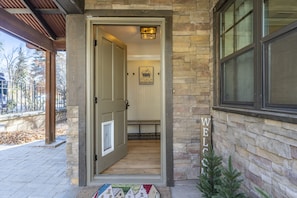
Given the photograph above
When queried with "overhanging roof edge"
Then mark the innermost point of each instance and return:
(11, 24)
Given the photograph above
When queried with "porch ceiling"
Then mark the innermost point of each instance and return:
(46, 17)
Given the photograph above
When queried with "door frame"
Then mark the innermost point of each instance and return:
(166, 176)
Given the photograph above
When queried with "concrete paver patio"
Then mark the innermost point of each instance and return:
(32, 170)
(37, 171)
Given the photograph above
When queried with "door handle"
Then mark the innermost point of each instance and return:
(127, 104)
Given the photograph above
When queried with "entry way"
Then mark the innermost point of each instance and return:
(94, 177)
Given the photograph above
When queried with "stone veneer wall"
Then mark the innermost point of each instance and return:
(72, 143)
(265, 151)
(191, 83)
(27, 121)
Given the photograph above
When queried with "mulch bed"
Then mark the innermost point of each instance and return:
(22, 137)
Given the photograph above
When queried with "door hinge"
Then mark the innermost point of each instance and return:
(95, 43)
(96, 100)
(96, 158)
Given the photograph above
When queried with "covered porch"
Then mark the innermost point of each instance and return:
(41, 24)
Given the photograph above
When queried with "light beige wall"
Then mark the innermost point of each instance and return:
(144, 100)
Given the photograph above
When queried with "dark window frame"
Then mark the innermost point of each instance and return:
(260, 107)
(278, 35)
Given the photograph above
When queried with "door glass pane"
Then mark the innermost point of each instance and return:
(277, 14)
(239, 79)
(282, 70)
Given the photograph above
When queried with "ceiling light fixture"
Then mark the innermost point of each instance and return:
(148, 33)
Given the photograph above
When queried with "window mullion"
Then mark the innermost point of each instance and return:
(258, 53)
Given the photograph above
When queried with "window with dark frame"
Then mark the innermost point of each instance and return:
(257, 47)
(236, 52)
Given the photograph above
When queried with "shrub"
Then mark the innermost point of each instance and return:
(230, 183)
(263, 193)
(210, 177)
(219, 182)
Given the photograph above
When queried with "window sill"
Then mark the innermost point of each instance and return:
(284, 117)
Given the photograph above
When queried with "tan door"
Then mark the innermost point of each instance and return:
(110, 99)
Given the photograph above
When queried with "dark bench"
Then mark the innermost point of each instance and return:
(144, 122)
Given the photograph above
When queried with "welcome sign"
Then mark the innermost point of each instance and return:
(205, 140)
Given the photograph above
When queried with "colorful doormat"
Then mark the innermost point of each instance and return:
(127, 191)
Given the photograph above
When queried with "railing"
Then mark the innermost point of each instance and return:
(24, 97)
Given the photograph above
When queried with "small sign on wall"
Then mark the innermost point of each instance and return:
(205, 140)
(146, 75)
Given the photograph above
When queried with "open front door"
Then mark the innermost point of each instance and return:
(110, 99)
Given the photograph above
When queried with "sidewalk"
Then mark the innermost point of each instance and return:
(37, 171)
(185, 189)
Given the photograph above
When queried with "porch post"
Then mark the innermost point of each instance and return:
(50, 88)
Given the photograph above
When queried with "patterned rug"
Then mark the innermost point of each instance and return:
(127, 191)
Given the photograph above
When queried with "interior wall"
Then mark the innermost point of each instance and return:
(144, 100)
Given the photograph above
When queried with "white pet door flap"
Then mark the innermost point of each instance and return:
(107, 137)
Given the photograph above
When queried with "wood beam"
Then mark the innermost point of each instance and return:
(71, 6)
(60, 44)
(40, 19)
(50, 86)
(12, 25)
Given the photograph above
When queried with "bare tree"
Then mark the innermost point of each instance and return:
(15, 64)
(37, 70)
(61, 74)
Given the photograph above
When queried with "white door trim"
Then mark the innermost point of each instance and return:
(95, 180)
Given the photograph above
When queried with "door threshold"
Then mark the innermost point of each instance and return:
(128, 179)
